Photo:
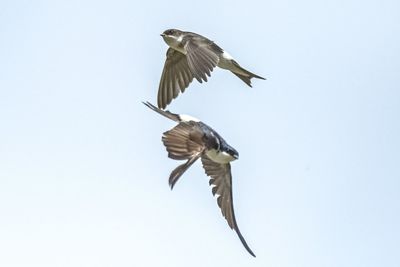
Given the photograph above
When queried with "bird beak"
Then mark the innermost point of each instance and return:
(236, 156)
(162, 34)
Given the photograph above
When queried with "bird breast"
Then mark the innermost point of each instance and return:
(219, 156)
(175, 43)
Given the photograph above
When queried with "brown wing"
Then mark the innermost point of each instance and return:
(183, 142)
(175, 78)
(165, 113)
(202, 58)
(221, 178)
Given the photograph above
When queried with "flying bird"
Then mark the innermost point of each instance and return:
(191, 140)
(189, 56)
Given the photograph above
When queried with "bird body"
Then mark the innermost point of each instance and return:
(190, 140)
(191, 55)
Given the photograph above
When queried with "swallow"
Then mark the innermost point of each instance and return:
(191, 140)
(189, 56)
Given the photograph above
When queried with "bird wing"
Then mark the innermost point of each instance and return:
(165, 113)
(221, 179)
(175, 78)
(202, 57)
(183, 142)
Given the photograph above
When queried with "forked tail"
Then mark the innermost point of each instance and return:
(244, 74)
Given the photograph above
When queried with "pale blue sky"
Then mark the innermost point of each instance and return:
(83, 172)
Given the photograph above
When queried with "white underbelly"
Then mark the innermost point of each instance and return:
(220, 157)
(225, 62)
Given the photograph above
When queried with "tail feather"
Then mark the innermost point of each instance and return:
(244, 74)
(246, 79)
(178, 171)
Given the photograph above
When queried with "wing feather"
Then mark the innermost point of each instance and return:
(202, 58)
(221, 180)
(183, 142)
(175, 77)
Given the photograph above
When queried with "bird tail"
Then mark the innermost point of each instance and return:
(178, 171)
(244, 74)
(165, 113)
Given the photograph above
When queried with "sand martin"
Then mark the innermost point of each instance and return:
(192, 139)
(189, 56)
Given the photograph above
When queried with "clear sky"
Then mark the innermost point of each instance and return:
(83, 172)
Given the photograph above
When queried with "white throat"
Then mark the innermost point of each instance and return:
(219, 156)
(174, 42)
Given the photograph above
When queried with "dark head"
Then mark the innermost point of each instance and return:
(172, 37)
(171, 32)
(231, 151)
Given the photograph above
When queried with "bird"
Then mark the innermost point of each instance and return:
(190, 140)
(189, 56)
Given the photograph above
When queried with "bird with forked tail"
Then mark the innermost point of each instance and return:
(189, 56)
(191, 140)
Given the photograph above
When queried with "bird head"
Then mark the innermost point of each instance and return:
(172, 36)
(232, 152)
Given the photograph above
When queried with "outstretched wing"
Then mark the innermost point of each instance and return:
(221, 179)
(202, 57)
(165, 113)
(175, 78)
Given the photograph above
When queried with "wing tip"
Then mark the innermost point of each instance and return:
(160, 103)
(149, 105)
(244, 242)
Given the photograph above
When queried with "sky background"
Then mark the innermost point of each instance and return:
(83, 172)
